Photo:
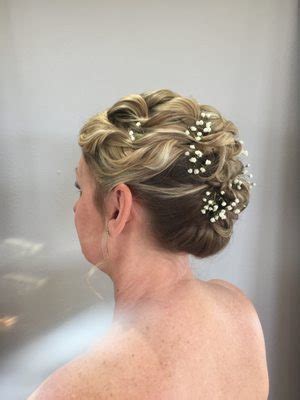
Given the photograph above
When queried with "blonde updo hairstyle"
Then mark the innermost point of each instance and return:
(154, 166)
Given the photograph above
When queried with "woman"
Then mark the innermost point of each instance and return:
(159, 179)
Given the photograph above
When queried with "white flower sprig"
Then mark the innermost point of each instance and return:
(199, 128)
(131, 133)
(199, 154)
(216, 206)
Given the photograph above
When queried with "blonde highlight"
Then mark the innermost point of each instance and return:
(155, 168)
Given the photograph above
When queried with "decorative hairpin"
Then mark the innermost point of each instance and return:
(131, 133)
(201, 131)
(199, 128)
(216, 205)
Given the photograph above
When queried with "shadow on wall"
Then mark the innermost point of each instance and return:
(284, 324)
(285, 380)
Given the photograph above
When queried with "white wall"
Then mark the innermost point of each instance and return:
(63, 61)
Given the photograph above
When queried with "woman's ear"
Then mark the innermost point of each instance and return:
(119, 207)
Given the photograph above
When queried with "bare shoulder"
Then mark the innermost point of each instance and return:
(239, 295)
(246, 305)
(98, 375)
(82, 378)
(228, 285)
(251, 328)
(143, 363)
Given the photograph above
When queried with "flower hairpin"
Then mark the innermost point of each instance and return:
(245, 172)
(198, 154)
(131, 133)
(198, 131)
(216, 206)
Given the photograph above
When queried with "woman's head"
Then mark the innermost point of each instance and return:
(154, 169)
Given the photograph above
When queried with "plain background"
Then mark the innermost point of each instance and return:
(63, 61)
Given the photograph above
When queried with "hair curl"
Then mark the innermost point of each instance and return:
(155, 167)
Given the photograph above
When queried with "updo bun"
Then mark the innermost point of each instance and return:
(155, 167)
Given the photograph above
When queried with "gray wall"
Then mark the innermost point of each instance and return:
(63, 61)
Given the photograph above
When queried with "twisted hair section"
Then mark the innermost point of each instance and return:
(154, 166)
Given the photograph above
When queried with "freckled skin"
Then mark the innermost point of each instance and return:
(204, 346)
(177, 342)
(189, 352)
